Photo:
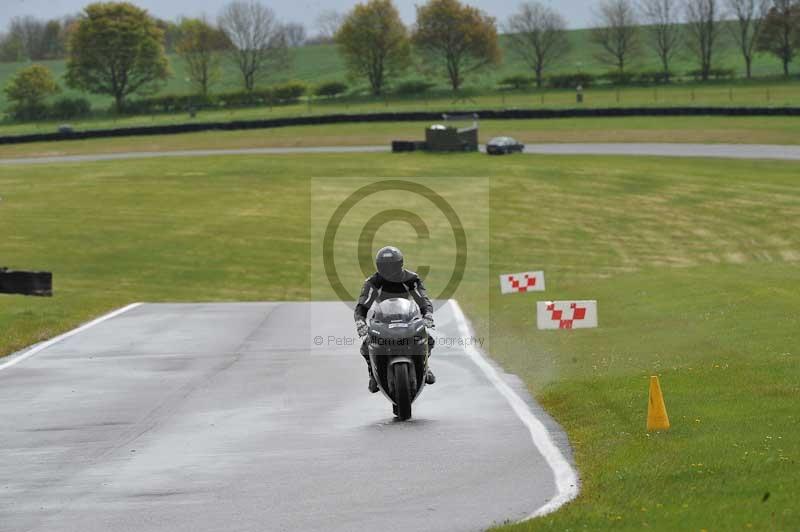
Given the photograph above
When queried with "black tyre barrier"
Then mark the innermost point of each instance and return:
(26, 283)
(399, 146)
(507, 114)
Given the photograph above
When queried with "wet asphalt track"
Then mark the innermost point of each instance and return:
(731, 151)
(207, 417)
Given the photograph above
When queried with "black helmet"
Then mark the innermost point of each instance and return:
(389, 262)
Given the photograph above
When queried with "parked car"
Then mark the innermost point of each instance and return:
(503, 145)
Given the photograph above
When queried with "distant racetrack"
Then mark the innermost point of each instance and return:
(731, 151)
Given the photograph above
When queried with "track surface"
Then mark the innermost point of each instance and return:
(201, 417)
(732, 151)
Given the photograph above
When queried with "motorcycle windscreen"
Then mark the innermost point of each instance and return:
(397, 309)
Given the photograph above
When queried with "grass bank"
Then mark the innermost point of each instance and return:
(319, 63)
(730, 130)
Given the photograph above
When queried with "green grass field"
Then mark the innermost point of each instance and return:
(694, 264)
(703, 129)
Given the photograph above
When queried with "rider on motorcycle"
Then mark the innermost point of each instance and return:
(390, 281)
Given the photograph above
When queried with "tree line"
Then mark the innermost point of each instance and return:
(697, 27)
(28, 38)
(118, 49)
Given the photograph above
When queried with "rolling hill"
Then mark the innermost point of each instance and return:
(319, 63)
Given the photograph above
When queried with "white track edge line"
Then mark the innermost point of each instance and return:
(566, 478)
(16, 359)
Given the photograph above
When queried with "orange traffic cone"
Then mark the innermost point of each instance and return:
(656, 410)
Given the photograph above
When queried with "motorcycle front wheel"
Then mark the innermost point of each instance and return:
(402, 390)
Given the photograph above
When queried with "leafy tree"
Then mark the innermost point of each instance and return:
(617, 33)
(116, 49)
(200, 45)
(374, 43)
(259, 41)
(538, 35)
(780, 34)
(28, 91)
(457, 37)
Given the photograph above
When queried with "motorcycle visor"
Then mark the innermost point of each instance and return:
(391, 270)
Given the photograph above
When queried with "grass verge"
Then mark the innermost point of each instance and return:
(731, 130)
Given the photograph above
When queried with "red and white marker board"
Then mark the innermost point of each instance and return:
(566, 314)
(520, 283)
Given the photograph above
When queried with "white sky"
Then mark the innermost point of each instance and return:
(577, 12)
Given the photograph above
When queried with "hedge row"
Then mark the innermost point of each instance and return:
(61, 109)
(649, 77)
(510, 114)
(283, 94)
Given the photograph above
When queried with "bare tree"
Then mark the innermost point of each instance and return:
(538, 35)
(328, 23)
(616, 33)
(663, 30)
(703, 28)
(259, 42)
(750, 15)
(295, 34)
(35, 35)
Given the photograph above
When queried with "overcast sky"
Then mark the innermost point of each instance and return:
(577, 12)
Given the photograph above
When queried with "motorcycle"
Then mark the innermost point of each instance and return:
(398, 352)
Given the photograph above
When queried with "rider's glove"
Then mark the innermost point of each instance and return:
(362, 328)
(428, 319)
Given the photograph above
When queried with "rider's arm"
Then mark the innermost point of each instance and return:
(369, 293)
(421, 297)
